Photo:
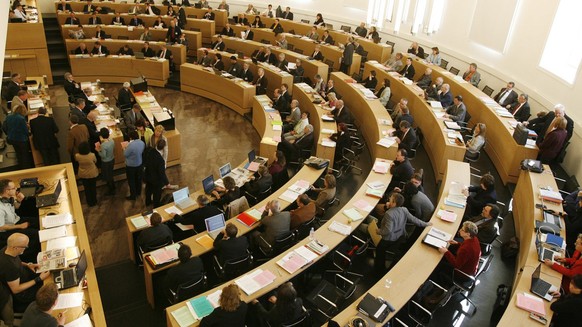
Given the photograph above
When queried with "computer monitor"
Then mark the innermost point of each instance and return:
(252, 155)
(180, 194)
(215, 223)
(208, 184)
(81, 266)
(224, 170)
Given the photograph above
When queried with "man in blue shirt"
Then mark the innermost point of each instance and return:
(133, 164)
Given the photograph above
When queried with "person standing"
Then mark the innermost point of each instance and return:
(44, 136)
(78, 133)
(133, 152)
(106, 149)
(17, 135)
(88, 172)
(347, 57)
(154, 174)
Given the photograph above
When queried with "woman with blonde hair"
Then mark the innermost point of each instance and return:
(477, 142)
(332, 99)
(231, 312)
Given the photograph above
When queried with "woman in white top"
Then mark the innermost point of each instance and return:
(475, 144)
(384, 92)
(20, 13)
(434, 57)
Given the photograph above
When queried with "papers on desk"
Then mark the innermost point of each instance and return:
(452, 125)
(387, 141)
(340, 228)
(327, 118)
(531, 303)
(364, 205)
(504, 113)
(376, 185)
(289, 196)
(57, 220)
(200, 307)
(251, 283)
(69, 300)
(328, 143)
(530, 143)
(327, 131)
(52, 233)
(61, 243)
(35, 103)
(164, 255)
(301, 186)
(447, 215)
(277, 127)
(249, 218)
(183, 316)
(386, 122)
(51, 260)
(84, 321)
(487, 100)
(436, 104)
(206, 241)
(353, 214)
(381, 167)
(184, 227)
(460, 79)
(291, 65)
(406, 81)
(456, 198)
(549, 195)
(297, 259)
(173, 209)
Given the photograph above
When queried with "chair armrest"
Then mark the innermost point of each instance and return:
(265, 242)
(437, 285)
(421, 307)
(326, 300)
(345, 279)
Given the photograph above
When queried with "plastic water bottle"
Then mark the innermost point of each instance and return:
(311, 234)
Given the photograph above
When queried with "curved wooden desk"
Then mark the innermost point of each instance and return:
(113, 69)
(502, 149)
(367, 114)
(236, 95)
(438, 146)
(69, 202)
(420, 257)
(262, 123)
(525, 197)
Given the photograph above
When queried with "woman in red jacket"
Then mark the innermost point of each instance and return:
(569, 267)
(469, 251)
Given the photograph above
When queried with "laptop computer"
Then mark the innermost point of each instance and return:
(224, 170)
(49, 199)
(182, 198)
(215, 225)
(546, 253)
(139, 55)
(253, 158)
(208, 184)
(549, 216)
(539, 286)
(71, 277)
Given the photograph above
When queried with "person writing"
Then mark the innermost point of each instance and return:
(39, 312)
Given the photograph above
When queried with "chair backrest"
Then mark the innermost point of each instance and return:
(237, 206)
(392, 44)
(190, 288)
(444, 63)
(346, 29)
(487, 90)
(304, 229)
(454, 70)
(236, 267)
(283, 242)
(467, 117)
(280, 178)
(328, 26)
(329, 62)
(299, 51)
(240, 54)
(303, 321)
(290, 47)
(151, 247)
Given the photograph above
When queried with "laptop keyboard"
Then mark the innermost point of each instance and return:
(541, 287)
(68, 277)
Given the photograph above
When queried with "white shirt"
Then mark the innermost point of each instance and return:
(8, 214)
(269, 13)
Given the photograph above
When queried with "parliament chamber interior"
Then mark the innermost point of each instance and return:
(298, 163)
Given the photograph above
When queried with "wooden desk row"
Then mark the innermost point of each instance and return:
(379, 52)
(119, 69)
(206, 27)
(274, 75)
(68, 202)
(438, 146)
(246, 47)
(330, 52)
(505, 153)
(220, 16)
(420, 258)
(117, 32)
(178, 50)
(323, 234)
(525, 213)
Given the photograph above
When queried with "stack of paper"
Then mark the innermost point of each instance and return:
(69, 300)
(327, 131)
(57, 220)
(164, 255)
(214, 297)
(387, 142)
(317, 247)
(251, 283)
(376, 185)
(381, 167)
(340, 228)
(301, 186)
(447, 215)
(297, 259)
(436, 104)
(61, 243)
(52, 233)
(353, 214)
(549, 195)
(437, 238)
(364, 205)
(173, 209)
(452, 125)
(531, 303)
(140, 222)
(375, 193)
(328, 143)
(200, 307)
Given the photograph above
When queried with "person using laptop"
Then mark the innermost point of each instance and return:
(39, 312)
(17, 277)
(569, 267)
(197, 217)
(567, 308)
(228, 193)
(468, 252)
(158, 234)
(188, 270)
(228, 246)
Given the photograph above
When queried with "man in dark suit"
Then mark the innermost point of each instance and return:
(147, 51)
(406, 116)
(246, 73)
(133, 116)
(158, 234)
(341, 114)
(125, 99)
(154, 174)
(445, 97)
(408, 70)
(401, 170)
(72, 88)
(44, 136)
(416, 50)
(118, 20)
(282, 62)
(165, 53)
(197, 217)
(327, 89)
(64, 7)
(520, 109)
(275, 223)
(347, 56)
(486, 223)
(227, 30)
(287, 14)
(99, 33)
(125, 50)
(99, 49)
(542, 124)
(261, 82)
(77, 110)
(89, 7)
(361, 30)
(298, 71)
(507, 96)
(209, 15)
(218, 44)
(276, 27)
(426, 79)
(13, 86)
(280, 103)
(249, 34)
(228, 246)
(94, 20)
(135, 21)
(188, 270)
(72, 20)
(371, 81)
(235, 68)
(405, 136)
(294, 150)
(205, 60)
(174, 33)
(457, 111)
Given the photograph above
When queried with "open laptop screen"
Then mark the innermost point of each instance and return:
(252, 155)
(215, 222)
(180, 194)
(224, 170)
(81, 266)
(208, 184)
(58, 190)
(535, 276)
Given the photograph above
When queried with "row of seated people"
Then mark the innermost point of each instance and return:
(102, 51)
(80, 34)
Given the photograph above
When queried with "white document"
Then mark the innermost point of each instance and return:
(289, 196)
(387, 142)
(84, 321)
(61, 243)
(328, 143)
(185, 227)
(57, 220)
(247, 282)
(327, 131)
(183, 316)
(435, 232)
(306, 253)
(213, 298)
(340, 228)
(436, 104)
(173, 209)
(69, 300)
(52, 233)
(277, 127)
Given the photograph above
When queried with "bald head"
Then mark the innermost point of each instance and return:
(17, 240)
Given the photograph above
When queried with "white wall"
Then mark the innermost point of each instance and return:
(4, 9)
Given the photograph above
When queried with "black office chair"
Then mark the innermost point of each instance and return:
(254, 199)
(444, 63)
(187, 290)
(344, 256)
(426, 56)
(240, 54)
(304, 229)
(347, 163)
(320, 215)
(231, 269)
(327, 297)
(421, 314)
(487, 90)
(280, 178)
(330, 63)
(392, 44)
(474, 157)
(414, 149)
(454, 70)
(328, 26)
(302, 321)
(282, 243)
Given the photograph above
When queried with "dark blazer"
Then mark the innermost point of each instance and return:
(540, 125)
(486, 229)
(255, 187)
(282, 64)
(511, 98)
(209, 15)
(292, 151)
(232, 248)
(342, 141)
(219, 64)
(317, 56)
(91, 8)
(13, 88)
(148, 53)
(250, 34)
(104, 50)
(218, 46)
(72, 21)
(419, 53)
(246, 76)
(361, 31)
(121, 21)
(370, 83)
(342, 116)
(43, 130)
(229, 32)
(159, 23)
(197, 217)
(124, 98)
(154, 235)
(135, 22)
(275, 225)
(100, 34)
(401, 172)
(73, 89)
(261, 85)
(154, 168)
(278, 316)
(446, 99)
(478, 199)
(184, 272)
(287, 15)
(348, 55)
(406, 117)
(95, 21)
(281, 104)
(328, 40)
(424, 81)
(168, 54)
(67, 7)
(523, 113)
(235, 69)
(79, 51)
(229, 196)
(408, 72)
(409, 140)
(173, 34)
(277, 29)
(552, 145)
